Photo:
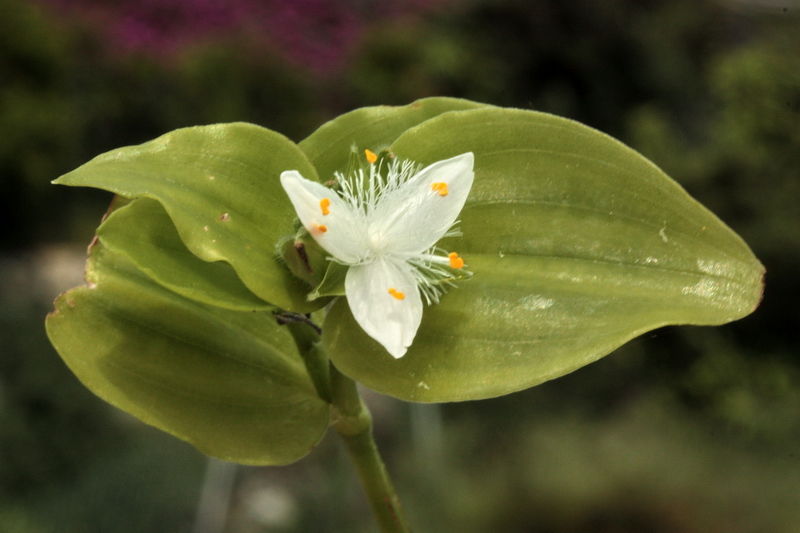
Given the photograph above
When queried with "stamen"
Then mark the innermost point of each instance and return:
(397, 294)
(371, 157)
(324, 204)
(322, 228)
(441, 187)
(455, 261)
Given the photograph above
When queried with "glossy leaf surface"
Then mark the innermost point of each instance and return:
(577, 244)
(373, 128)
(144, 233)
(220, 186)
(229, 382)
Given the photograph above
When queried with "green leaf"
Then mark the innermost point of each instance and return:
(373, 128)
(231, 383)
(577, 244)
(144, 233)
(220, 185)
(333, 282)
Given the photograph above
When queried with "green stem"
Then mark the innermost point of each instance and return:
(310, 347)
(353, 421)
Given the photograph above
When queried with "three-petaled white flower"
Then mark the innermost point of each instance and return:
(384, 226)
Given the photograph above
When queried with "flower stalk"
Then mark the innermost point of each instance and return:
(353, 421)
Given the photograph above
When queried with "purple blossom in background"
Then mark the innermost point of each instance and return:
(317, 34)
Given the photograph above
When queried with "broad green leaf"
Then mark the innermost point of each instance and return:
(373, 128)
(144, 233)
(229, 382)
(577, 244)
(220, 186)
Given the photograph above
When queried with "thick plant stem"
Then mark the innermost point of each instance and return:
(353, 422)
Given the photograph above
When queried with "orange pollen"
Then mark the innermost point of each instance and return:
(371, 157)
(397, 294)
(441, 187)
(455, 261)
(322, 228)
(324, 204)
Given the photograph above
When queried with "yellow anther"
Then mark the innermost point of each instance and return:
(322, 228)
(324, 204)
(440, 187)
(397, 294)
(371, 157)
(455, 261)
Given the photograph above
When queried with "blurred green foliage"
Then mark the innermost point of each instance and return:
(696, 429)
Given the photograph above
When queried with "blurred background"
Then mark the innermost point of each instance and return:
(683, 430)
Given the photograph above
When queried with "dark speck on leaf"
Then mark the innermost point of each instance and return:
(301, 252)
(224, 217)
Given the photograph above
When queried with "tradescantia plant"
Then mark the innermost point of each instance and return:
(241, 284)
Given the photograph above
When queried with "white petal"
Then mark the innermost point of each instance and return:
(345, 235)
(388, 320)
(415, 216)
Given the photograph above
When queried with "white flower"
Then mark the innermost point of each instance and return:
(384, 226)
